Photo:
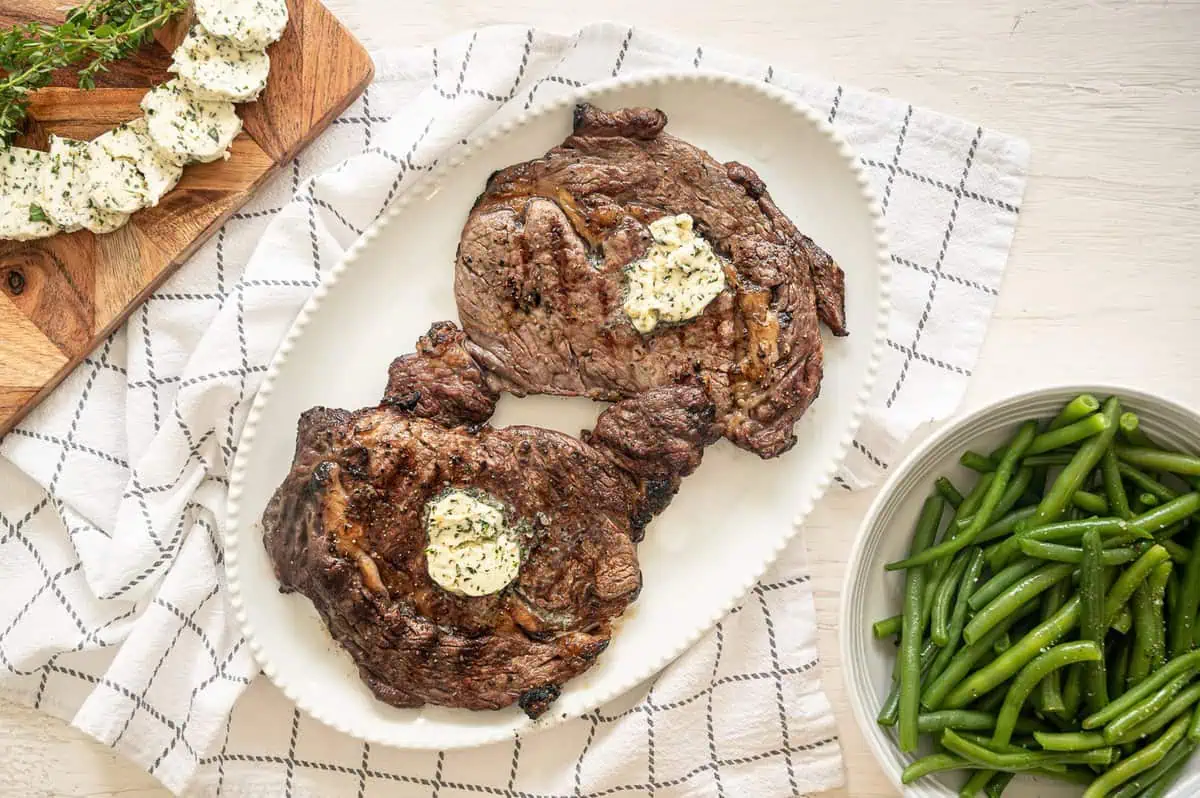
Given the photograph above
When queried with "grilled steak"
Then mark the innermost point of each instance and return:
(348, 529)
(540, 279)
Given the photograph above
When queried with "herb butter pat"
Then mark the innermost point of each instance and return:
(677, 278)
(471, 551)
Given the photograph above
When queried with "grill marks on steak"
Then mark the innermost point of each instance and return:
(347, 529)
(539, 279)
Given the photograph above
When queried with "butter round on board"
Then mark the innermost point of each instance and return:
(141, 173)
(216, 69)
(249, 24)
(187, 127)
(21, 217)
(65, 193)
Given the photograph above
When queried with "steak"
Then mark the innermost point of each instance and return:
(540, 279)
(347, 528)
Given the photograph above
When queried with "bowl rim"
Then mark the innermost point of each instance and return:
(867, 726)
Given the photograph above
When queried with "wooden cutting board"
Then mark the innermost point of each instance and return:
(62, 296)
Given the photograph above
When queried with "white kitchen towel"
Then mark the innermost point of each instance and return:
(114, 615)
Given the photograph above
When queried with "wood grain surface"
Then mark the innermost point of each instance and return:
(1102, 284)
(59, 297)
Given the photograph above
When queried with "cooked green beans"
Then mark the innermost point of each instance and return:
(1179, 665)
(949, 492)
(1079, 407)
(943, 600)
(1002, 581)
(1129, 720)
(1152, 459)
(1114, 488)
(1041, 666)
(1059, 602)
(1070, 741)
(1023, 590)
(1054, 503)
(888, 627)
(910, 640)
(1174, 759)
(987, 506)
(1059, 553)
(1069, 434)
(1093, 622)
(1140, 762)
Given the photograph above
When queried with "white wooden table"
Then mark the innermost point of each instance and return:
(1104, 281)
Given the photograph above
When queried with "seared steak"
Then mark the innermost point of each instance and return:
(347, 528)
(540, 279)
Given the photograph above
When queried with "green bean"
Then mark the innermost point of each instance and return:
(889, 712)
(935, 722)
(1054, 503)
(1053, 659)
(1152, 459)
(958, 618)
(974, 498)
(1180, 704)
(943, 600)
(1090, 502)
(1005, 525)
(1147, 501)
(1114, 488)
(1002, 581)
(1002, 644)
(1117, 666)
(1188, 663)
(1174, 759)
(1165, 515)
(1144, 634)
(1080, 776)
(1067, 531)
(1050, 697)
(1070, 741)
(1143, 760)
(1144, 481)
(888, 627)
(978, 781)
(1022, 591)
(998, 784)
(1044, 460)
(1179, 554)
(1124, 620)
(1072, 691)
(976, 462)
(928, 765)
(1131, 577)
(1093, 624)
(1157, 640)
(1081, 406)
(964, 660)
(1017, 761)
(1183, 618)
(910, 639)
(1071, 433)
(1131, 430)
(1163, 785)
(1058, 553)
(949, 492)
(1011, 661)
(1193, 732)
(987, 506)
(1129, 720)
(1012, 494)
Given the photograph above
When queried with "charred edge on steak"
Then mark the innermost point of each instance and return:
(536, 701)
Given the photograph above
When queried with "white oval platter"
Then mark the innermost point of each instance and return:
(730, 519)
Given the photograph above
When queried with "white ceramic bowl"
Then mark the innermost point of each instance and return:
(870, 593)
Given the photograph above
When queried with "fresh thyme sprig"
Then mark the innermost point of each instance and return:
(95, 34)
